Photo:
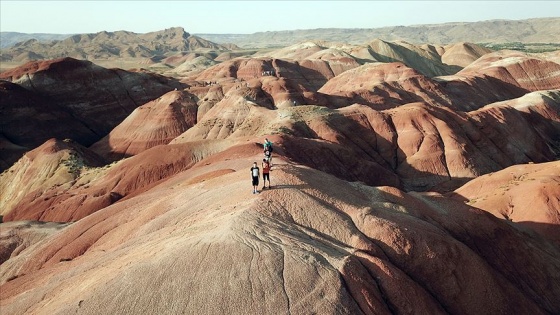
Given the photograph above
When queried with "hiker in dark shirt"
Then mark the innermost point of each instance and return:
(255, 176)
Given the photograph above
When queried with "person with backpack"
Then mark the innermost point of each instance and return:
(255, 176)
(266, 173)
(267, 145)
(267, 156)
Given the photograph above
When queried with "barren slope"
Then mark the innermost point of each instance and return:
(54, 197)
(527, 194)
(98, 97)
(69, 98)
(53, 164)
(462, 54)
(501, 76)
(312, 243)
(149, 125)
(383, 86)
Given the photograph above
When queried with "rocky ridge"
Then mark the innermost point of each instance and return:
(111, 45)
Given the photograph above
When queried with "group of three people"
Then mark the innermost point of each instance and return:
(266, 164)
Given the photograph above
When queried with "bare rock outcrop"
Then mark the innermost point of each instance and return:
(493, 78)
(413, 146)
(428, 148)
(155, 123)
(425, 61)
(526, 194)
(191, 67)
(500, 76)
(55, 163)
(462, 54)
(297, 51)
(518, 69)
(74, 197)
(15, 237)
(384, 86)
(309, 74)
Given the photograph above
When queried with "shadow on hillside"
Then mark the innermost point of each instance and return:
(299, 83)
(479, 91)
(309, 78)
(361, 155)
(426, 66)
(386, 96)
(538, 230)
(547, 129)
(548, 231)
(380, 203)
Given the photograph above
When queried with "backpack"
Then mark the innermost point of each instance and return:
(268, 147)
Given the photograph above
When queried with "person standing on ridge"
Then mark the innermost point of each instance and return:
(267, 145)
(266, 173)
(267, 157)
(255, 175)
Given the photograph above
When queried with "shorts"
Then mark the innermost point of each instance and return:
(255, 181)
(266, 177)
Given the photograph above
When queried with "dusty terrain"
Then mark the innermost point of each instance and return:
(406, 179)
(312, 243)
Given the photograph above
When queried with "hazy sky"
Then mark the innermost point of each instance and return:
(240, 17)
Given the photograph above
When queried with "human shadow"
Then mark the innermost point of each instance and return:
(289, 186)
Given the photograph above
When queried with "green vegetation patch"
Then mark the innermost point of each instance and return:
(524, 47)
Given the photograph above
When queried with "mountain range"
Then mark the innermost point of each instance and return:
(8, 39)
(528, 31)
(540, 30)
(111, 45)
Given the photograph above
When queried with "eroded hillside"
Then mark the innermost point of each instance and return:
(400, 183)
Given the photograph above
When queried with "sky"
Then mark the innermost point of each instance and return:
(247, 17)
